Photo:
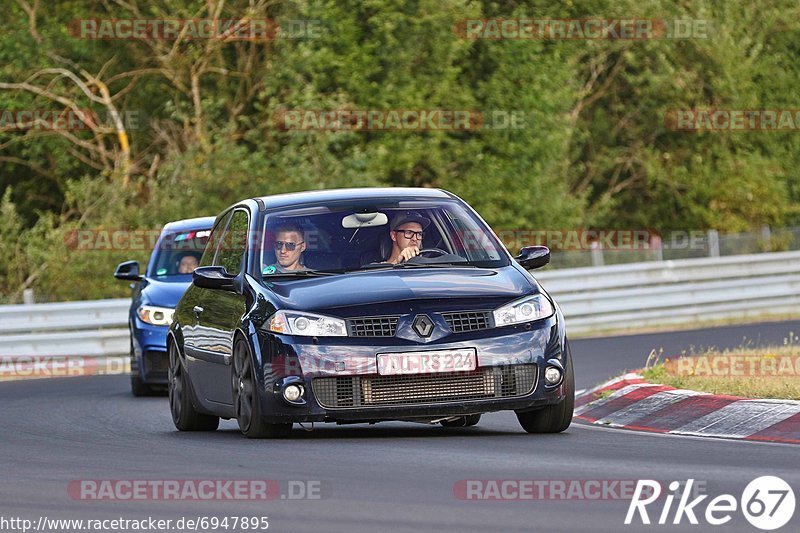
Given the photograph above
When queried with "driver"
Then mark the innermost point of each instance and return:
(187, 264)
(407, 230)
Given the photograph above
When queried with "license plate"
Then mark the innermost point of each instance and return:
(463, 360)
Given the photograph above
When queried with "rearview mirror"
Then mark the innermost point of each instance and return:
(129, 270)
(365, 220)
(532, 257)
(213, 277)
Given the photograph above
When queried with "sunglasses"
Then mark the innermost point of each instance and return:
(290, 246)
(409, 234)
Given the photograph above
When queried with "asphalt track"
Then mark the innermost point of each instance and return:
(386, 477)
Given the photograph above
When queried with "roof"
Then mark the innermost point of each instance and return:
(190, 224)
(362, 193)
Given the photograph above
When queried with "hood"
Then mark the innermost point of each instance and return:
(386, 286)
(164, 293)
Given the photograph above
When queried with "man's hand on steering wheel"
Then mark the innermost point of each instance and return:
(407, 253)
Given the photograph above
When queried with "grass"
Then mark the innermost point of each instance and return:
(769, 372)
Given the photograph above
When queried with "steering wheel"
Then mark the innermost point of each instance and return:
(437, 251)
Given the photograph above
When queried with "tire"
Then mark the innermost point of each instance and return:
(553, 418)
(462, 421)
(246, 401)
(180, 392)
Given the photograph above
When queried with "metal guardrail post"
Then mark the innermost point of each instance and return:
(597, 254)
(27, 296)
(658, 247)
(713, 243)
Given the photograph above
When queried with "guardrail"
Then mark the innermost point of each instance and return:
(645, 295)
(593, 299)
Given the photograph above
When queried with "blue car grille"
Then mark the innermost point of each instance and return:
(368, 391)
(468, 321)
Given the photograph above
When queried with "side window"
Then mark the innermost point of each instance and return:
(233, 244)
(213, 241)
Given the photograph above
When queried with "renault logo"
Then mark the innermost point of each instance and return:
(423, 326)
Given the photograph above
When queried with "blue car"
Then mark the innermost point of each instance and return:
(365, 305)
(155, 295)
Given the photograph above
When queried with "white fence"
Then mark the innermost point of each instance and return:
(594, 299)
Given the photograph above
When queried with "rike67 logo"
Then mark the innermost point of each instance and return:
(767, 503)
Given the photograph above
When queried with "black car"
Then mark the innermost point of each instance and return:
(306, 308)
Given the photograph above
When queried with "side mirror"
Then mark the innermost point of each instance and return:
(213, 277)
(532, 257)
(129, 270)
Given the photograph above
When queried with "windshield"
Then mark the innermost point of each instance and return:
(361, 236)
(178, 254)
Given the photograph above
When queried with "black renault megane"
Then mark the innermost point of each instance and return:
(361, 306)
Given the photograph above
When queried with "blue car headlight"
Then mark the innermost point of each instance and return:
(526, 309)
(157, 316)
(309, 324)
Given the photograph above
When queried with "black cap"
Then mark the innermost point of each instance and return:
(410, 216)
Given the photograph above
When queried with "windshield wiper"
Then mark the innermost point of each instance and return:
(389, 266)
(435, 265)
(300, 274)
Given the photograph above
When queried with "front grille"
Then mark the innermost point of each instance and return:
(156, 361)
(468, 321)
(374, 390)
(372, 326)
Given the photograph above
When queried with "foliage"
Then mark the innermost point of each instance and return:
(592, 151)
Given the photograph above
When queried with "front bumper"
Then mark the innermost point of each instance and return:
(341, 382)
(149, 356)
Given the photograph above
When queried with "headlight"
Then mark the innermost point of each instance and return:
(158, 316)
(525, 309)
(309, 324)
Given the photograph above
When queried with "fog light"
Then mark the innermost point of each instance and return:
(552, 375)
(292, 392)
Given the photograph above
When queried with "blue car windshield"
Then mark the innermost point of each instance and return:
(346, 237)
(178, 253)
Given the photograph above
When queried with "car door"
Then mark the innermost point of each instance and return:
(191, 309)
(220, 314)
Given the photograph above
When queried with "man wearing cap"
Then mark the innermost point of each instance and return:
(406, 233)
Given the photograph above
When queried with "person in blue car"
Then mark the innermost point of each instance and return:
(187, 264)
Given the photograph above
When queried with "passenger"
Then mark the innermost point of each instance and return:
(289, 247)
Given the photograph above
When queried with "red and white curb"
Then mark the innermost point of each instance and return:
(630, 402)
